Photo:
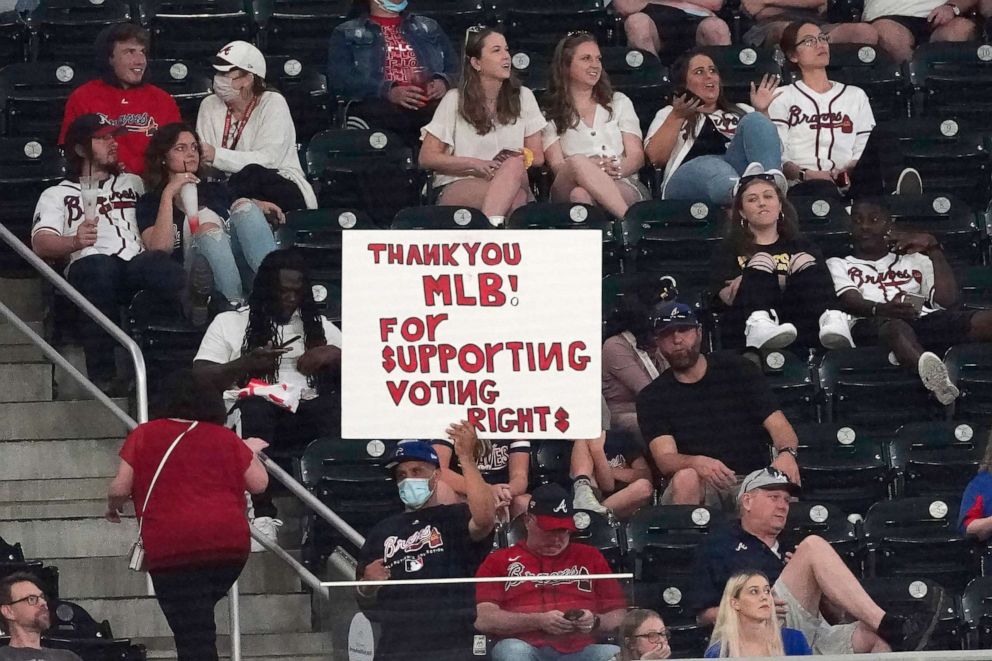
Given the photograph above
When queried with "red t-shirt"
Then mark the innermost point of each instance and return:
(142, 110)
(196, 513)
(401, 60)
(577, 560)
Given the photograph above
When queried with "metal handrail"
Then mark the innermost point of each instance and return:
(140, 375)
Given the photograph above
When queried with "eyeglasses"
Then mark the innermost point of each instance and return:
(812, 40)
(32, 599)
(653, 637)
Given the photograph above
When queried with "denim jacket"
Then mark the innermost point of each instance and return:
(356, 60)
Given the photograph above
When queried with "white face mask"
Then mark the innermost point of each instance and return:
(224, 88)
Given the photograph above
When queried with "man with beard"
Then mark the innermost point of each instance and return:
(549, 620)
(900, 292)
(709, 420)
(24, 610)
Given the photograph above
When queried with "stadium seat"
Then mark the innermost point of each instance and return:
(440, 218)
(14, 37)
(739, 66)
(811, 517)
(350, 477)
(662, 540)
(942, 70)
(976, 607)
(66, 29)
(12, 560)
(305, 88)
(970, 368)
(567, 215)
(539, 26)
(550, 463)
(369, 170)
(976, 288)
(886, 83)
(194, 29)
(593, 529)
(906, 595)
(456, 16)
(842, 464)
(670, 598)
(167, 341)
(33, 96)
(793, 382)
(188, 82)
(27, 167)
(864, 387)
(300, 29)
(642, 77)
(951, 154)
(936, 458)
(826, 222)
(533, 68)
(918, 536)
(672, 234)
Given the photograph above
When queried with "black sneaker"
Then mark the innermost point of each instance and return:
(918, 627)
(199, 288)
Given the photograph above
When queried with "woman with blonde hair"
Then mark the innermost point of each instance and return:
(747, 626)
(642, 635)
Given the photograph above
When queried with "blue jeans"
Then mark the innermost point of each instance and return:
(712, 178)
(514, 649)
(234, 255)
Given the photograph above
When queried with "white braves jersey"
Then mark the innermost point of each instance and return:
(822, 131)
(917, 8)
(883, 280)
(60, 211)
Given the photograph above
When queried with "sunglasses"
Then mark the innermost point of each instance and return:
(769, 470)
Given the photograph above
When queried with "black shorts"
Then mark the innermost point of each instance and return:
(676, 28)
(936, 331)
(920, 28)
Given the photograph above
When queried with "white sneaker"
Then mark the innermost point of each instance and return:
(934, 375)
(835, 330)
(583, 498)
(762, 331)
(269, 529)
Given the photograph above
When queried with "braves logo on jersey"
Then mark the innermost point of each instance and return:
(826, 121)
(427, 539)
(568, 575)
(134, 122)
(891, 279)
(119, 199)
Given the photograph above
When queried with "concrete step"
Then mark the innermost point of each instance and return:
(314, 645)
(11, 335)
(25, 382)
(66, 459)
(22, 353)
(92, 578)
(59, 420)
(131, 617)
(72, 538)
(24, 297)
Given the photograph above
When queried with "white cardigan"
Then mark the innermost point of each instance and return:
(269, 140)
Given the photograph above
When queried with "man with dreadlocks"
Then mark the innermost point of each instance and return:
(279, 337)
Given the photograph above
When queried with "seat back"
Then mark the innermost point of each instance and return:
(188, 82)
(567, 215)
(550, 461)
(662, 540)
(970, 367)
(825, 222)
(976, 609)
(944, 69)
(666, 234)
(304, 86)
(14, 38)
(33, 96)
(440, 217)
(592, 528)
(826, 520)
(794, 384)
(195, 29)
(66, 29)
(642, 77)
(914, 594)
(739, 66)
(456, 16)
(540, 26)
(299, 29)
(533, 69)
(937, 458)
(946, 216)
(886, 82)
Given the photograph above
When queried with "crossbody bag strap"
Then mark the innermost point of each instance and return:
(161, 464)
(645, 359)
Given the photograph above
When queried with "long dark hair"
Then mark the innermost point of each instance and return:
(740, 235)
(156, 171)
(263, 307)
(189, 396)
(680, 73)
(472, 98)
(559, 108)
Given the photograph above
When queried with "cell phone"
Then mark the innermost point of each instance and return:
(915, 300)
(843, 180)
(689, 96)
(505, 154)
(285, 345)
(573, 614)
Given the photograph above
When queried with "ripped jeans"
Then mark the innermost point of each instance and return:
(235, 251)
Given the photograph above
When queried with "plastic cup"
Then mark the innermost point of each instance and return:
(89, 191)
(191, 206)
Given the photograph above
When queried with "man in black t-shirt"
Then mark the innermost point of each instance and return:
(709, 419)
(427, 541)
(806, 580)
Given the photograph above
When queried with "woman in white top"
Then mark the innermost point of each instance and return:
(704, 141)
(823, 125)
(593, 138)
(248, 132)
(475, 143)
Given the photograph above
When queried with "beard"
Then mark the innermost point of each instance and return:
(682, 359)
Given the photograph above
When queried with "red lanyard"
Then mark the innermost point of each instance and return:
(241, 126)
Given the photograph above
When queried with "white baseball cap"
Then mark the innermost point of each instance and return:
(240, 55)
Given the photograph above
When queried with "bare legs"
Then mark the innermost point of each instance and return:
(581, 180)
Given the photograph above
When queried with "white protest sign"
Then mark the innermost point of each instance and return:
(500, 328)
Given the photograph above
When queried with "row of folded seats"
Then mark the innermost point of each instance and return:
(72, 627)
(900, 536)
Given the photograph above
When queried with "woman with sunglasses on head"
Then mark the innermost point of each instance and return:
(224, 231)
(643, 635)
(773, 284)
(593, 138)
(485, 134)
(824, 125)
(248, 133)
(703, 141)
(747, 624)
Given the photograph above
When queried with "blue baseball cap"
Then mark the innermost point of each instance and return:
(670, 315)
(413, 450)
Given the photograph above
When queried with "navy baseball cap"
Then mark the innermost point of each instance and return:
(668, 316)
(552, 508)
(413, 450)
(87, 127)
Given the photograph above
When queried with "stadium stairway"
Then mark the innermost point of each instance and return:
(56, 458)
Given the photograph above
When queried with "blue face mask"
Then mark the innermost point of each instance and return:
(395, 7)
(415, 492)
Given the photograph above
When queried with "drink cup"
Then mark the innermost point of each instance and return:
(191, 206)
(89, 191)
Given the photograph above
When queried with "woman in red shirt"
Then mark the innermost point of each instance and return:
(193, 525)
